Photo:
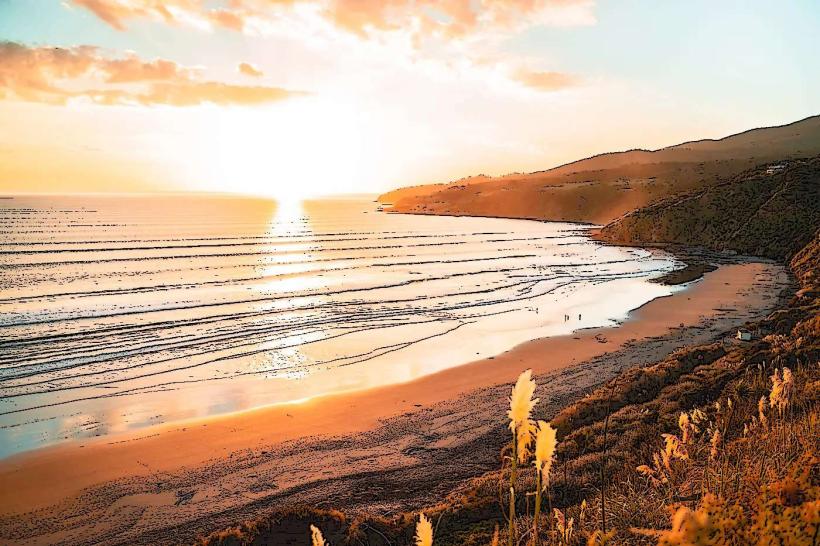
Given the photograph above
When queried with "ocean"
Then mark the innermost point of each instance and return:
(122, 312)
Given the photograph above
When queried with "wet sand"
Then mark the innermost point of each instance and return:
(385, 449)
(111, 321)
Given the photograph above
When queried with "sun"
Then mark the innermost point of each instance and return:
(304, 148)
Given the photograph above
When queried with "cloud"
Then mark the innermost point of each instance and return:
(249, 70)
(227, 19)
(57, 75)
(545, 81)
(114, 12)
(450, 33)
(446, 18)
(193, 93)
(132, 69)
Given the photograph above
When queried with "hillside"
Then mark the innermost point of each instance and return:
(705, 433)
(602, 188)
(738, 471)
(754, 213)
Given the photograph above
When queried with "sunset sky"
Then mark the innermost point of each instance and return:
(300, 97)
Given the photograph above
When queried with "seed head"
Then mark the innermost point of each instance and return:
(716, 443)
(521, 401)
(316, 536)
(545, 443)
(424, 532)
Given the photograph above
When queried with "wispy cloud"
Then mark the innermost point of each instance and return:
(450, 18)
(545, 81)
(249, 69)
(56, 75)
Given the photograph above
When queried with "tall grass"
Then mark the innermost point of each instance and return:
(424, 531)
(544, 452)
(316, 537)
(522, 428)
(740, 470)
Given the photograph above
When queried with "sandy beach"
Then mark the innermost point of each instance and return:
(386, 449)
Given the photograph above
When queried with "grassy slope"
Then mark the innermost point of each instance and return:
(763, 486)
(602, 188)
(753, 213)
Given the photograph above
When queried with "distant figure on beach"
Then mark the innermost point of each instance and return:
(579, 316)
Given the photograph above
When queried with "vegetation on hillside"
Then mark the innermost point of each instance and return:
(714, 445)
(602, 188)
(756, 213)
(704, 447)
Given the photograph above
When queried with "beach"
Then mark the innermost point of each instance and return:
(112, 320)
(383, 450)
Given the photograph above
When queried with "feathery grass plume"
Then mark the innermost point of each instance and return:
(316, 537)
(674, 448)
(424, 531)
(564, 526)
(526, 432)
(698, 416)
(655, 474)
(666, 457)
(715, 442)
(761, 412)
(688, 527)
(782, 390)
(545, 443)
(777, 388)
(687, 428)
(582, 514)
(521, 404)
(521, 401)
(544, 452)
(645, 470)
(788, 388)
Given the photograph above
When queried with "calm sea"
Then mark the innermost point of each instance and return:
(122, 312)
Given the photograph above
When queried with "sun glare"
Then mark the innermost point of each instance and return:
(306, 148)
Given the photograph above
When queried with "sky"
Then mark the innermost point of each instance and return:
(297, 98)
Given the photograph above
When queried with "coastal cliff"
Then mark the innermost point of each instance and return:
(602, 188)
(757, 213)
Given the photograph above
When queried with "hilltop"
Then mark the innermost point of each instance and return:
(600, 189)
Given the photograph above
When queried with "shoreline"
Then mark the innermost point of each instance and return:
(259, 456)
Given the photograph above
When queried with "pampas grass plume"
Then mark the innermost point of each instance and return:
(424, 531)
(316, 537)
(544, 449)
(782, 390)
(716, 442)
(521, 401)
(761, 412)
